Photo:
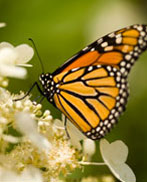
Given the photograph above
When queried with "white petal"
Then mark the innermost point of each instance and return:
(75, 131)
(123, 172)
(25, 123)
(2, 24)
(7, 56)
(75, 135)
(115, 155)
(75, 142)
(12, 71)
(10, 138)
(25, 53)
(89, 147)
(29, 128)
(29, 174)
(6, 45)
(115, 152)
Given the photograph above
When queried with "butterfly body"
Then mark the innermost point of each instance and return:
(91, 88)
(49, 86)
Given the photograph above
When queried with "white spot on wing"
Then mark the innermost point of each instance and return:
(128, 57)
(104, 44)
(119, 40)
(122, 70)
(100, 41)
(90, 68)
(111, 35)
(109, 48)
(142, 33)
(93, 49)
(74, 69)
(139, 28)
(140, 41)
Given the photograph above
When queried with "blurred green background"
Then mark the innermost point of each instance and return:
(60, 29)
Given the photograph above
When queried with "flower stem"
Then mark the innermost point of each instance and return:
(92, 163)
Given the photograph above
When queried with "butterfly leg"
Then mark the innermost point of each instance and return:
(39, 102)
(35, 84)
(65, 126)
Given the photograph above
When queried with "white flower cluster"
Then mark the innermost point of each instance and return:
(34, 145)
(29, 137)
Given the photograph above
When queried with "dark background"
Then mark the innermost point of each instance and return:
(60, 28)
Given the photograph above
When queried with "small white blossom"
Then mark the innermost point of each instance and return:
(11, 58)
(10, 138)
(115, 156)
(29, 128)
(2, 24)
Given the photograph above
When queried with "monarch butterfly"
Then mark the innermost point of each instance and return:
(91, 88)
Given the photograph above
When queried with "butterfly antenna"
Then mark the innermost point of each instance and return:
(37, 54)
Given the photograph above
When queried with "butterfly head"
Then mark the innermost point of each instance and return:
(48, 85)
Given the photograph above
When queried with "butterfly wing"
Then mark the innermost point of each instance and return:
(92, 98)
(119, 49)
(92, 85)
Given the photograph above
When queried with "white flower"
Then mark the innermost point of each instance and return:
(11, 58)
(76, 136)
(29, 128)
(29, 174)
(115, 156)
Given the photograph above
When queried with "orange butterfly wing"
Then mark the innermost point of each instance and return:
(92, 86)
(92, 98)
(119, 49)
